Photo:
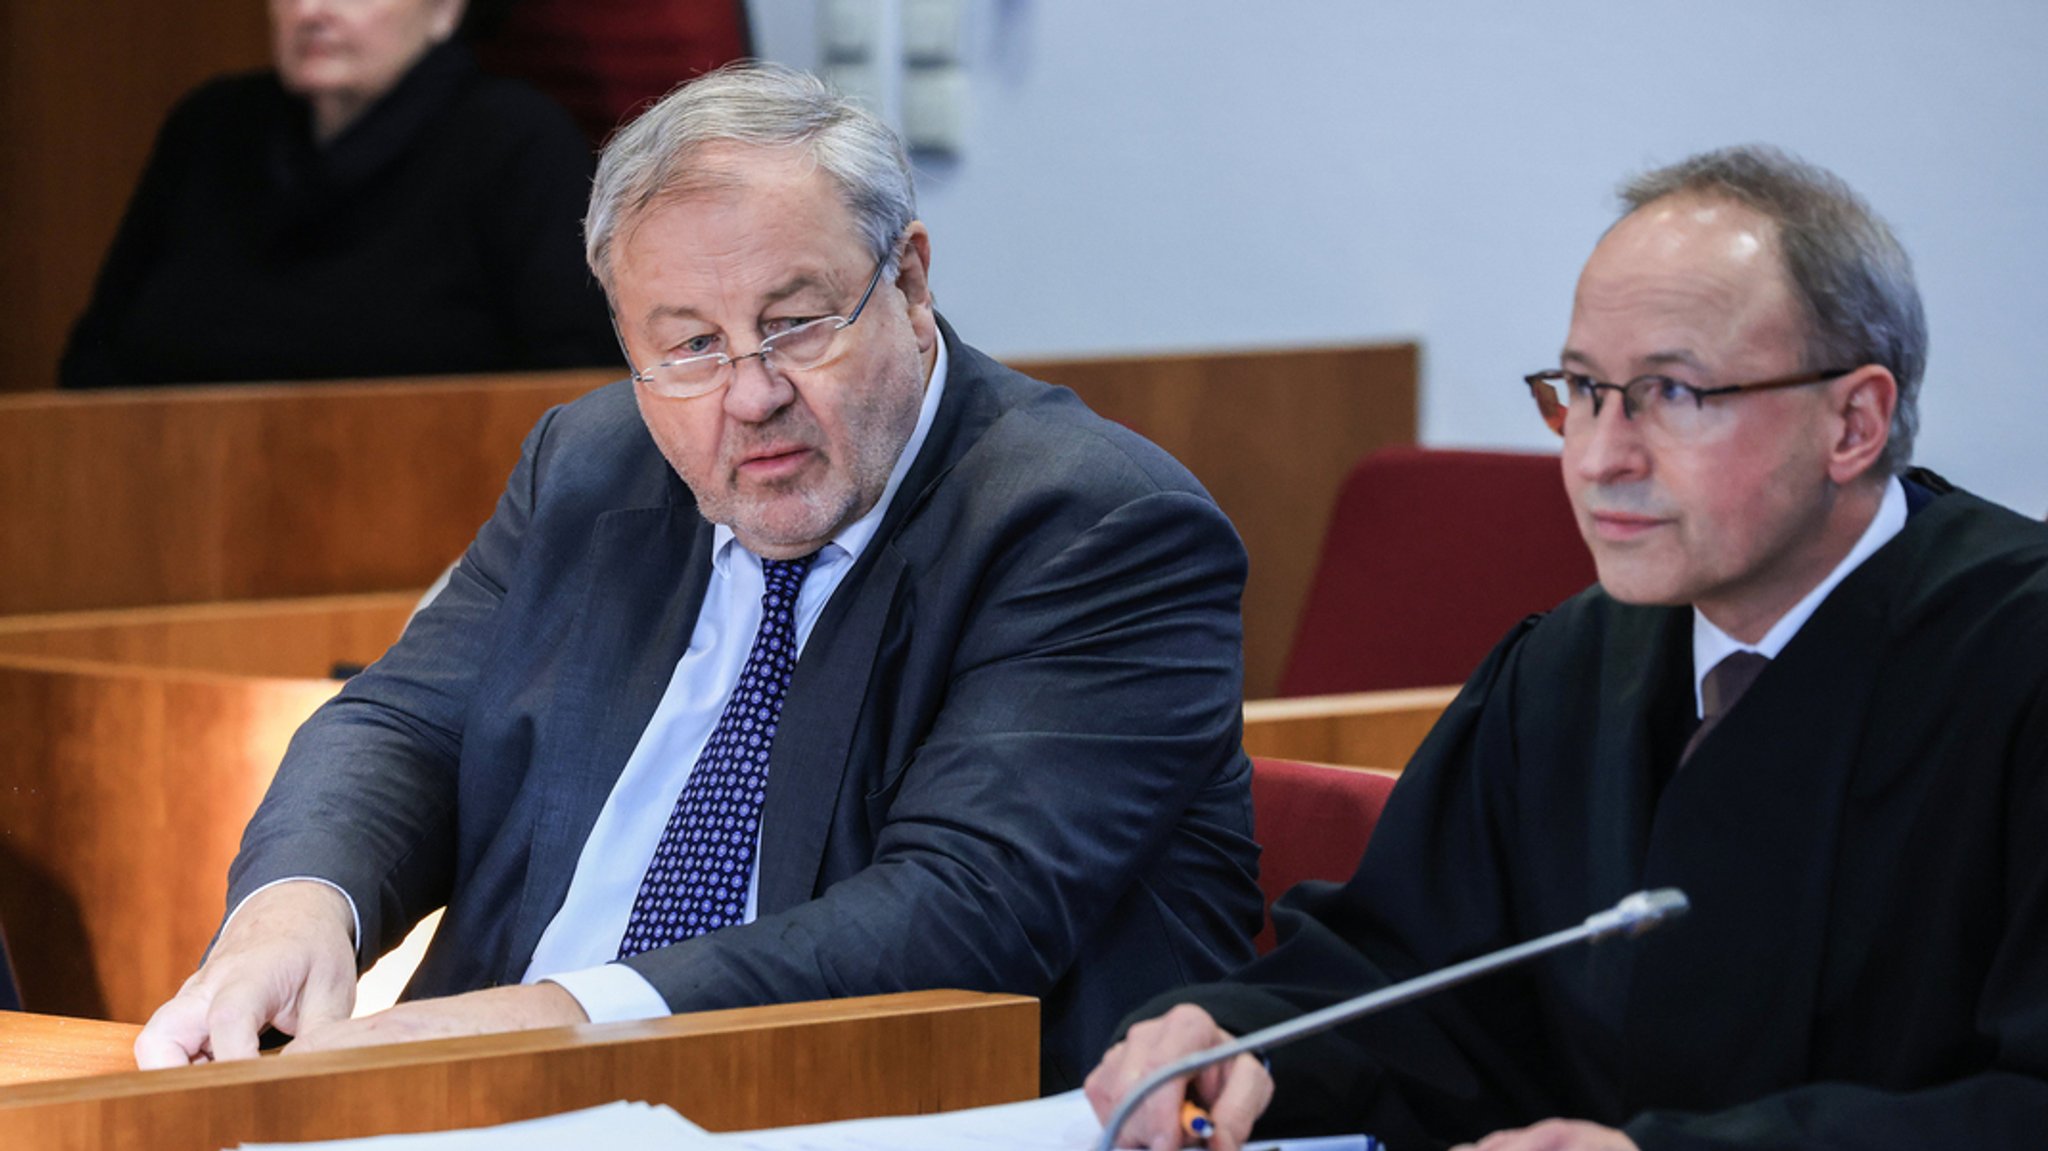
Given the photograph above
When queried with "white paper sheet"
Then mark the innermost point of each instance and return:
(1057, 1123)
(635, 1125)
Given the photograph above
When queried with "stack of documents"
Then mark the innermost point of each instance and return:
(1057, 1123)
(633, 1124)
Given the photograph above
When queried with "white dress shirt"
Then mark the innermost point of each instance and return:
(578, 948)
(1710, 645)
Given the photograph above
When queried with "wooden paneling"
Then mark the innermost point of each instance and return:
(126, 790)
(303, 638)
(1271, 435)
(726, 1070)
(197, 494)
(84, 86)
(1376, 729)
(231, 493)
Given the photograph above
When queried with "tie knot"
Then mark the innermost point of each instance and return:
(782, 578)
(1726, 682)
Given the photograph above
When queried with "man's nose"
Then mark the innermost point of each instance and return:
(757, 389)
(1607, 445)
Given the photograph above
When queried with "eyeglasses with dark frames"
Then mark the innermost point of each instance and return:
(1671, 406)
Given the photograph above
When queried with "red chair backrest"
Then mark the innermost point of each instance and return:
(1313, 821)
(606, 62)
(1431, 555)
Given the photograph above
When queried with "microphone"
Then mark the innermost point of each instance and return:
(1633, 916)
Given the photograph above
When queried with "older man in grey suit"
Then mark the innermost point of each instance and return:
(823, 657)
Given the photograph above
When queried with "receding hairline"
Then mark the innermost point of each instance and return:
(724, 167)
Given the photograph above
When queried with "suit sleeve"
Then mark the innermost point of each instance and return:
(365, 797)
(1096, 689)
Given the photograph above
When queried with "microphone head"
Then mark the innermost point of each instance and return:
(1640, 912)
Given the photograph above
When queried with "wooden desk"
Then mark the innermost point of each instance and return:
(126, 792)
(187, 495)
(34, 1048)
(1376, 729)
(294, 638)
(727, 1070)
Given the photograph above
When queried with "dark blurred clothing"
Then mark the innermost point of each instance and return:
(439, 233)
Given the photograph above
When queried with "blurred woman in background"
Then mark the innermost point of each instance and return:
(376, 206)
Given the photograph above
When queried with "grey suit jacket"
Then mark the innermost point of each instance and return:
(1009, 758)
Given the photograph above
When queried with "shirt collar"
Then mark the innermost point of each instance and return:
(1710, 645)
(854, 537)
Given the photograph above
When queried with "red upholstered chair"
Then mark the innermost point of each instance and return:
(1313, 821)
(1431, 555)
(605, 62)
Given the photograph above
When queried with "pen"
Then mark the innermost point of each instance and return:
(1195, 1121)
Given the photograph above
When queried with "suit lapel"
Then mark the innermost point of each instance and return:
(648, 568)
(814, 737)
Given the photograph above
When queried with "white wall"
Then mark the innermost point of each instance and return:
(1144, 175)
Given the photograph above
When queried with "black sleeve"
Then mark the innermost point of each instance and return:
(1431, 890)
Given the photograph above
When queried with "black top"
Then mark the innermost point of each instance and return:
(438, 233)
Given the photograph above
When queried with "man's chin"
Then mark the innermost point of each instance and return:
(785, 528)
(1633, 582)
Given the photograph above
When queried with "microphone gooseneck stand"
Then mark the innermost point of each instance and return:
(1633, 916)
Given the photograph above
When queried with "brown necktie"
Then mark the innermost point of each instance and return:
(1723, 685)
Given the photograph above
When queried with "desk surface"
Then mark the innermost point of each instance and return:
(728, 1070)
(38, 1047)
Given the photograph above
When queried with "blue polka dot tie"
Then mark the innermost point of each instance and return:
(698, 879)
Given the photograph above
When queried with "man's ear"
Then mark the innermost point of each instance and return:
(1861, 404)
(913, 279)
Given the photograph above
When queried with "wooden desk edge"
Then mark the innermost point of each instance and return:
(1348, 704)
(438, 1052)
(1376, 729)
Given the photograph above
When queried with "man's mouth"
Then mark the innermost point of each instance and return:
(773, 463)
(1622, 526)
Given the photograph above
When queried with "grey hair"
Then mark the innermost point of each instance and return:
(761, 105)
(1852, 278)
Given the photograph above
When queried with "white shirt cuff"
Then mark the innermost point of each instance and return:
(612, 993)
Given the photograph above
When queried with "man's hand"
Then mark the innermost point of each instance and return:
(285, 959)
(477, 1013)
(1554, 1135)
(1236, 1093)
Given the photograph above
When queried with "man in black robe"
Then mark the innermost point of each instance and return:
(1856, 802)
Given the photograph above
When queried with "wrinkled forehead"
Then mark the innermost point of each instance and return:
(787, 183)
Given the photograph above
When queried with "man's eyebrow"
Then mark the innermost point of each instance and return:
(797, 285)
(1678, 357)
(794, 286)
